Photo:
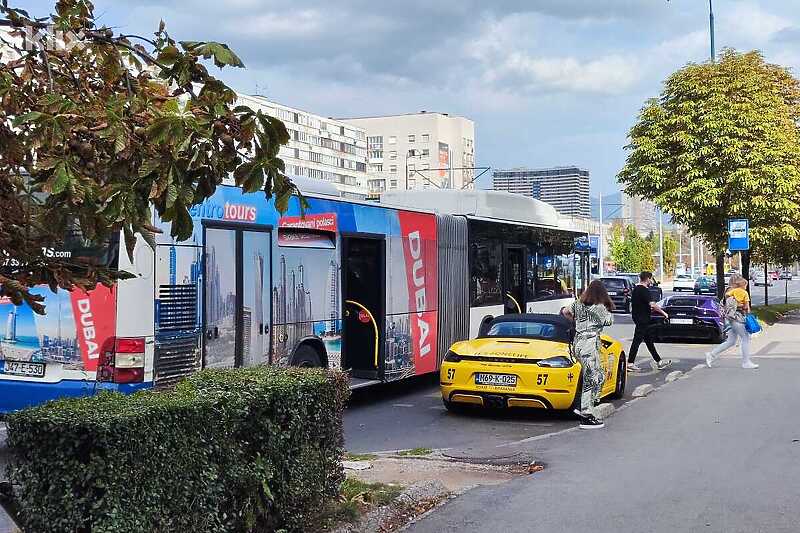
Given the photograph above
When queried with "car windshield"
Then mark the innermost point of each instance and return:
(528, 329)
(613, 283)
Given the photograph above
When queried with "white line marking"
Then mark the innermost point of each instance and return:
(539, 437)
(402, 405)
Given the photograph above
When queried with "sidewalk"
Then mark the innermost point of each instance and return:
(717, 452)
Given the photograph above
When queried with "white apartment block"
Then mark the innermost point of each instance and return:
(319, 147)
(565, 188)
(418, 151)
(640, 213)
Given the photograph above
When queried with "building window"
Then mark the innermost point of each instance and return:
(426, 166)
(412, 183)
(393, 154)
(376, 168)
(393, 169)
(376, 154)
(411, 166)
(426, 152)
(392, 140)
(393, 184)
(412, 138)
(426, 138)
(375, 142)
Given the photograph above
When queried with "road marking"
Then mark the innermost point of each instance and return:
(539, 437)
(437, 407)
(402, 405)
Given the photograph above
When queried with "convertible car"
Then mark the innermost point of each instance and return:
(524, 360)
(690, 318)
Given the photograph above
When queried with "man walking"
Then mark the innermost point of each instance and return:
(642, 308)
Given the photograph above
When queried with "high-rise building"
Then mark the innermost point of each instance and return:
(319, 147)
(418, 151)
(565, 188)
(640, 213)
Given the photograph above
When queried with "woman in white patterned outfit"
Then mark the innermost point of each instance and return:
(591, 313)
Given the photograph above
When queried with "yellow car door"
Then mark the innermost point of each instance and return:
(609, 364)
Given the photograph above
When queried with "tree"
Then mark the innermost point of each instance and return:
(629, 251)
(670, 250)
(99, 128)
(722, 142)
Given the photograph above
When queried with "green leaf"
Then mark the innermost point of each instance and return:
(32, 116)
(61, 178)
(168, 55)
(223, 56)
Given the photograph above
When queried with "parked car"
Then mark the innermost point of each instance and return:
(683, 282)
(774, 275)
(656, 292)
(690, 318)
(705, 284)
(760, 279)
(525, 360)
(786, 275)
(619, 290)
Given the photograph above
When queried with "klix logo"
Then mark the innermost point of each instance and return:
(227, 211)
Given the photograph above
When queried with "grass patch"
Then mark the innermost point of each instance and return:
(416, 451)
(356, 498)
(773, 313)
(359, 456)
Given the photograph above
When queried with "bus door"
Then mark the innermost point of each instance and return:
(237, 307)
(514, 278)
(364, 292)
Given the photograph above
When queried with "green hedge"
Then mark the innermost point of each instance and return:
(235, 450)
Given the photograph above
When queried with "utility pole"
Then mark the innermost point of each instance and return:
(600, 241)
(661, 244)
(691, 255)
(711, 28)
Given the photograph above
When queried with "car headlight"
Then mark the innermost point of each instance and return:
(452, 357)
(559, 361)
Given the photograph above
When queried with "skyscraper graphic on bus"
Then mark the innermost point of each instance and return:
(11, 326)
(334, 298)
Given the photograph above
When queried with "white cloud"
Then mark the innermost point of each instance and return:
(751, 23)
(299, 24)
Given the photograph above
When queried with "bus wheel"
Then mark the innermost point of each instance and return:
(306, 357)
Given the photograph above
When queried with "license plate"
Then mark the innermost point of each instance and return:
(681, 321)
(22, 368)
(612, 293)
(498, 380)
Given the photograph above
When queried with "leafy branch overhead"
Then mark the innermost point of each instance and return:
(99, 129)
(721, 142)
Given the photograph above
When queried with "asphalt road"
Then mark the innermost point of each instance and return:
(410, 414)
(717, 452)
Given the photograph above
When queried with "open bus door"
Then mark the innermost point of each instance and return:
(514, 279)
(364, 294)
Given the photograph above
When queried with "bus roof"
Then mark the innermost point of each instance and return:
(499, 206)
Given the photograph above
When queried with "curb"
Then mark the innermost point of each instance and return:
(695, 368)
(672, 376)
(604, 410)
(643, 390)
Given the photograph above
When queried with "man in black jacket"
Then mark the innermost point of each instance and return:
(642, 308)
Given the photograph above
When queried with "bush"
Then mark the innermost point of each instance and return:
(235, 450)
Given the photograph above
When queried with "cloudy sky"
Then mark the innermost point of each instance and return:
(547, 82)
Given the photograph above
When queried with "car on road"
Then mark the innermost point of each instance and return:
(620, 290)
(690, 318)
(760, 279)
(705, 284)
(774, 275)
(786, 275)
(525, 360)
(683, 282)
(656, 292)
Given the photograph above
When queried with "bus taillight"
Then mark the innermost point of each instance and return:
(122, 360)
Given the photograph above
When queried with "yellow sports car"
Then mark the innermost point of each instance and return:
(525, 360)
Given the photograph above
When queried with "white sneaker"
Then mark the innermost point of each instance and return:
(633, 367)
(709, 359)
(749, 365)
(664, 363)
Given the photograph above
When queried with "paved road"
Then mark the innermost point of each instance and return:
(410, 414)
(717, 452)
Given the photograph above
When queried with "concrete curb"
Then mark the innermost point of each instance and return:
(672, 376)
(698, 367)
(604, 410)
(643, 390)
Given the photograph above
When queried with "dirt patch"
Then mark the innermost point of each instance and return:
(455, 477)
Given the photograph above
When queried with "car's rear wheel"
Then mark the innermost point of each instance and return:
(622, 377)
(453, 407)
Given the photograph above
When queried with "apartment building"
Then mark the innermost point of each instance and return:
(418, 151)
(565, 188)
(319, 147)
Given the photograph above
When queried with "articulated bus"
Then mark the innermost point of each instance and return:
(380, 290)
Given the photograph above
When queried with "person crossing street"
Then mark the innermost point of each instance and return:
(642, 308)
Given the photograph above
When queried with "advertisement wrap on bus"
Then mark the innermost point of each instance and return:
(341, 284)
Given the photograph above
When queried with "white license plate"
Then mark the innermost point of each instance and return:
(497, 380)
(22, 368)
(612, 293)
(681, 321)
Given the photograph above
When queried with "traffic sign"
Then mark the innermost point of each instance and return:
(738, 235)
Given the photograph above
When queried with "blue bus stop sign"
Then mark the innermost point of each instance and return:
(738, 235)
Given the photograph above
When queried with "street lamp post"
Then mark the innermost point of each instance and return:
(711, 28)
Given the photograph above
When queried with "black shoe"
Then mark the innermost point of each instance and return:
(590, 422)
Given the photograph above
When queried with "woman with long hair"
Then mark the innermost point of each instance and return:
(737, 305)
(591, 313)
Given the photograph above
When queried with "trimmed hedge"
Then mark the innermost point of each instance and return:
(236, 450)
